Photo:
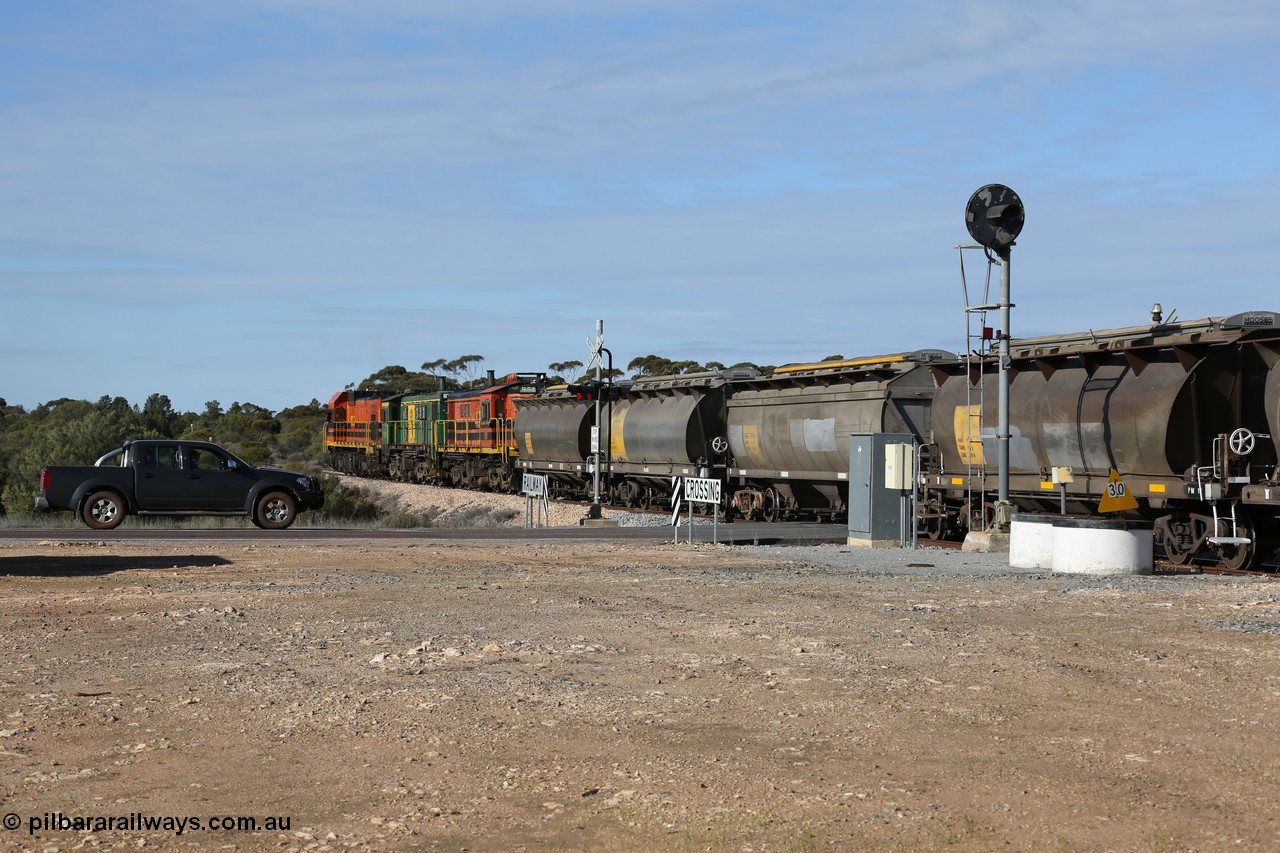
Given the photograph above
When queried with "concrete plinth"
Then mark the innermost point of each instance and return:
(597, 522)
(986, 542)
(875, 543)
(1094, 546)
(1031, 541)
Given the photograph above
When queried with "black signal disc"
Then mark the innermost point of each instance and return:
(994, 216)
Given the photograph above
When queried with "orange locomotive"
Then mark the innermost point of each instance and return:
(461, 438)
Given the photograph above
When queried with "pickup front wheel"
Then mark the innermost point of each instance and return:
(275, 511)
(102, 510)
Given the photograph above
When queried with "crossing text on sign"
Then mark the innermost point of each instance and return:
(700, 491)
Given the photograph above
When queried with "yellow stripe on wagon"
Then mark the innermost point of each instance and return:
(860, 362)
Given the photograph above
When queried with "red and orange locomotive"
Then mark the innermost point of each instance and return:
(463, 438)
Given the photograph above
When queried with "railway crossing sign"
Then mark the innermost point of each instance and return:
(534, 485)
(595, 346)
(688, 491)
(1117, 496)
(700, 490)
(536, 511)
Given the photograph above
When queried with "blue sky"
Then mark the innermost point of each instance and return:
(265, 201)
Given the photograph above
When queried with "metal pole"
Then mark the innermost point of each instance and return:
(915, 495)
(595, 489)
(902, 519)
(606, 449)
(1003, 434)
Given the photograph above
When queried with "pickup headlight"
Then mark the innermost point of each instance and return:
(309, 483)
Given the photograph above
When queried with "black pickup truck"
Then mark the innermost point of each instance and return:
(176, 478)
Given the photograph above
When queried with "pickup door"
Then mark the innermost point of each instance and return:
(159, 479)
(214, 480)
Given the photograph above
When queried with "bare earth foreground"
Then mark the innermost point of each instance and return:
(413, 694)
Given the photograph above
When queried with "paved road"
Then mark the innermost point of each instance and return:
(798, 533)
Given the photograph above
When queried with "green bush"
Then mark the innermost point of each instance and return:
(348, 503)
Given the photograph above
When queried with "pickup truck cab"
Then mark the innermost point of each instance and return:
(176, 478)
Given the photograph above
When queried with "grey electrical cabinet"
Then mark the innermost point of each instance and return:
(878, 515)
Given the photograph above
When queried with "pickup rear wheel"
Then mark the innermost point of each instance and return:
(275, 511)
(102, 510)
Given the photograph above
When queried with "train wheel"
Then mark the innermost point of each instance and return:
(772, 509)
(1177, 555)
(935, 525)
(1239, 556)
(1180, 538)
(979, 519)
(646, 498)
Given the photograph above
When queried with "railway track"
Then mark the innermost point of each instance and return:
(1167, 567)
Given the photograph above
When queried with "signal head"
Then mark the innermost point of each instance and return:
(994, 216)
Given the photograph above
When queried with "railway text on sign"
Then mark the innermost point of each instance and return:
(535, 485)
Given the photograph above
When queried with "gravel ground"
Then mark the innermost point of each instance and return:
(450, 504)
(428, 694)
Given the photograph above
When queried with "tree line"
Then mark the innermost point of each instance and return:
(467, 373)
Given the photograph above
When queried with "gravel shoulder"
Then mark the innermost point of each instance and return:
(457, 507)
(591, 696)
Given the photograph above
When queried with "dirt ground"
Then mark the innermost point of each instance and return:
(418, 695)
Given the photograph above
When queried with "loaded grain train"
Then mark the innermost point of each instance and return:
(1187, 412)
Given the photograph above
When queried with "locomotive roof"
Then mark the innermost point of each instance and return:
(512, 381)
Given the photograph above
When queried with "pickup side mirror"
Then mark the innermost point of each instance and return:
(232, 464)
